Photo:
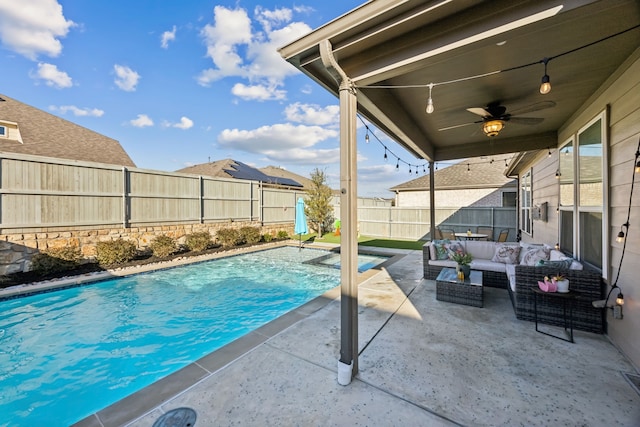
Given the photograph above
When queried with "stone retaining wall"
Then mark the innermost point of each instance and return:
(16, 250)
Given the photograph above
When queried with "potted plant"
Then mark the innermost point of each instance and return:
(462, 260)
(561, 282)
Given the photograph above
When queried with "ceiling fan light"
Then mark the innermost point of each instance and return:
(545, 86)
(492, 127)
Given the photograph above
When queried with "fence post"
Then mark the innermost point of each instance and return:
(125, 201)
(201, 199)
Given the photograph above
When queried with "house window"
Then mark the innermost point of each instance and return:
(590, 154)
(582, 230)
(3, 131)
(567, 197)
(566, 231)
(525, 203)
(509, 199)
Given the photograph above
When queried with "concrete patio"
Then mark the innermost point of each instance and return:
(422, 362)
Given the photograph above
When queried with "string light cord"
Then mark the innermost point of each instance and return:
(424, 165)
(626, 225)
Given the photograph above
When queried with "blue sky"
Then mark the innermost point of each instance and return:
(182, 82)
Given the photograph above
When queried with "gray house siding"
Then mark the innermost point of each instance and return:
(619, 97)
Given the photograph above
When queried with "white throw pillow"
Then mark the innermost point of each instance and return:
(532, 255)
(506, 254)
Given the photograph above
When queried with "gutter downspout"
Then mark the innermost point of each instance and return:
(348, 363)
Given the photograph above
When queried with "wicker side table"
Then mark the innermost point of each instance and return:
(451, 289)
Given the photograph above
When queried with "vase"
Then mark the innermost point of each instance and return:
(563, 286)
(464, 268)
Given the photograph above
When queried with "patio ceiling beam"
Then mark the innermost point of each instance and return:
(396, 126)
(494, 147)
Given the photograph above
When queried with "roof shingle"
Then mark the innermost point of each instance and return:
(479, 175)
(44, 134)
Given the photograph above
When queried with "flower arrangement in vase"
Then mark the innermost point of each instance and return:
(462, 260)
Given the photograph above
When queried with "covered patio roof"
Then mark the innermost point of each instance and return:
(385, 58)
(474, 53)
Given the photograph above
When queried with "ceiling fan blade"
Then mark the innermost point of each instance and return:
(458, 126)
(543, 105)
(526, 120)
(479, 111)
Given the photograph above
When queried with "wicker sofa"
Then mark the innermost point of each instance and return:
(518, 278)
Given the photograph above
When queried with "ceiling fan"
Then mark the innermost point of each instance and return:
(494, 116)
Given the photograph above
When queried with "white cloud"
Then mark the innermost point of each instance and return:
(257, 92)
(52, 76)
(80, 112)
(312, 114)
(167, 36)
(141, 121)
(283, 142)
(33, 27)
(237, 50)
(126, 78)
(231, 29)
(380, 173)
(184, 124)
(269, 18)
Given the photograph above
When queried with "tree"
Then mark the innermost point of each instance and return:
(318, 207)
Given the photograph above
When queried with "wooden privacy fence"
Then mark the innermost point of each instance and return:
(40, 193)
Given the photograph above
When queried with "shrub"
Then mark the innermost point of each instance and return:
(250, 235)
(115, 252)
(56, 259)
(267, 237)
(282, 234)
(199, 241)
(228, 237)
(163, 246)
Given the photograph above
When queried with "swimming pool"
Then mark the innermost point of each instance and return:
(72, 352)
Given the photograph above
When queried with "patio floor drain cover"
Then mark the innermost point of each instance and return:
(179, 417)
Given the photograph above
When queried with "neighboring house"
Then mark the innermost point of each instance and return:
(279, 173)
(28, 130)
(465, 184)
(230, 168)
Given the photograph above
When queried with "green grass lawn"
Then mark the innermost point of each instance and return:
(367, 241)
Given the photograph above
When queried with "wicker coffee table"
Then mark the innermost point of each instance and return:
(451, 289)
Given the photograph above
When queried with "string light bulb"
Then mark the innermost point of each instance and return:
(620, 299)
(545, 85)
(398, 165)
(558, 174)
(366, 137)
(637, 164)
(430, 107)
(386, 158)
(549, 151)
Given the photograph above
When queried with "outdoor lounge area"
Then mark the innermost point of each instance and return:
(422, 362)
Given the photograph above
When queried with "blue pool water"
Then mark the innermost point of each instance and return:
(67, 354)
